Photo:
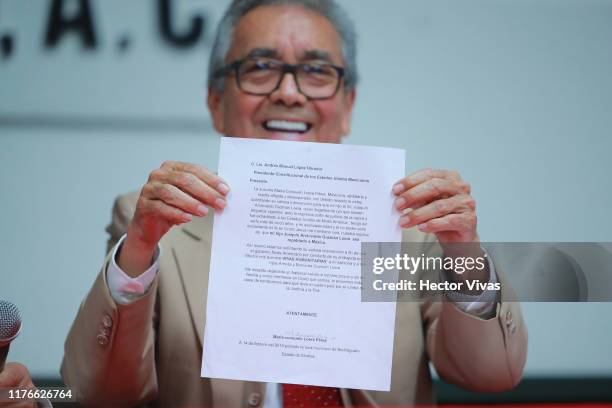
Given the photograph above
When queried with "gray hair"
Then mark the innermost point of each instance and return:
(327, 8)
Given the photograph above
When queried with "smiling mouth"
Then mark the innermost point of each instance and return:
(286, 126)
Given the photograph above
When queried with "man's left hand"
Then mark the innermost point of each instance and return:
(441, 204)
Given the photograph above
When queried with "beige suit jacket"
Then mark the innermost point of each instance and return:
(149, 352)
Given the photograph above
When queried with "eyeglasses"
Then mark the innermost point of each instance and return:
(261, 76)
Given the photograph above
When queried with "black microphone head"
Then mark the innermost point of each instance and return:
(10, 322)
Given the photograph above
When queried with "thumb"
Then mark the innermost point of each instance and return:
(15, 375)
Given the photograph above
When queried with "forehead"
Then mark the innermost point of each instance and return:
(291, 30)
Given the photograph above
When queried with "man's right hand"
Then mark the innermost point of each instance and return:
(173, 194)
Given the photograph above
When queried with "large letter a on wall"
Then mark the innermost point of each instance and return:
(79, 23)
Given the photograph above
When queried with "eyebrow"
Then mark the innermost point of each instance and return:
(272, 53)
(262, 52)
(317, 55)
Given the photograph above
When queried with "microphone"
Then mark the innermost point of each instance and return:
(10, 326)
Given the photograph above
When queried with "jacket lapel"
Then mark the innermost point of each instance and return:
(191, 252)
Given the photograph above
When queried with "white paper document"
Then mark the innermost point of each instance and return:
(284, 298)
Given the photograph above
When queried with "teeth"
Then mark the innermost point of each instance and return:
(285, 125)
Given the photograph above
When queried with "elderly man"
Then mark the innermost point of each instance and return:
(279, 70)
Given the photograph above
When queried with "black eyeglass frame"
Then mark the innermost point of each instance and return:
(284, 69)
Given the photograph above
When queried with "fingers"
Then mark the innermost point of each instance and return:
(168, 213)
(15, 375)
(195, 187)
(421, 176)
(429, 190)
(186, 186)
(203, 174)
(440, 203)
(459, 223)
(175, 197)
(460, 204)
(173, 194)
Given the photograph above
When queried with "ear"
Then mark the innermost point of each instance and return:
(349, 102)
(215, 106)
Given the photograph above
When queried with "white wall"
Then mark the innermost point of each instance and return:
(514, 94)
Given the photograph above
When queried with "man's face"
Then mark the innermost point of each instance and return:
(293, 34)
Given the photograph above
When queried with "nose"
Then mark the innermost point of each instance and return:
(288, 92)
